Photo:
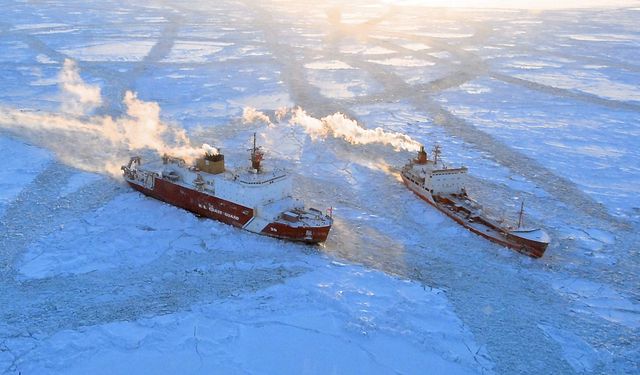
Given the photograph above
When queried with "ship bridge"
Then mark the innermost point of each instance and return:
(434, 177)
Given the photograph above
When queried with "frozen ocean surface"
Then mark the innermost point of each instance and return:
(541, 105)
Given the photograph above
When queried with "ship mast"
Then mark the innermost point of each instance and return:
(436, 153)
(521, 216)
(256, 155)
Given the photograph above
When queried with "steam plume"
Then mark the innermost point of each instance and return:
(77, 97)
(339, 126)
(281, 113)
(250, 115)
(97, 143)
(210, 150)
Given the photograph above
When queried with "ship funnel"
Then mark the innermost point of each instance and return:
(422, 156)
(211, 163)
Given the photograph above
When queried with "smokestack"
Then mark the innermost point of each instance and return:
(211, 163)
(422, 156)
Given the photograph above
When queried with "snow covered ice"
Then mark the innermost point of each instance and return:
(541, 105)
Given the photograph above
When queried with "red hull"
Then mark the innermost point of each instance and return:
(524, 248)
(535, 249)
(198, 203)
(303, 234)
(227, 212)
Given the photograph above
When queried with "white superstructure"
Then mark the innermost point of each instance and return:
(268, 192)
(253, 198)
(434, 176)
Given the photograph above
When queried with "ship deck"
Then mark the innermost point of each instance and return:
(457, 208)
(468, 213)
(266, 196)
(298, 215)
(536, 235)
(462, 213)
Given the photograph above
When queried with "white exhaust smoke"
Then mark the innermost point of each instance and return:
(336, 126)
(98, 143)
(210, 150)
(251, 115)
(281, 113)
(339, 126)
(78, 98)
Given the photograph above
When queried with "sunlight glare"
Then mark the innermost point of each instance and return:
(516, 4)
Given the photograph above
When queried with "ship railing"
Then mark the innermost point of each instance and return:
(450, 170)
(260, 182)
(174, 160)
(170, 175)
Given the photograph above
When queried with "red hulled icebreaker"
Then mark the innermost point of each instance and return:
(252, 198)
(444, 188)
